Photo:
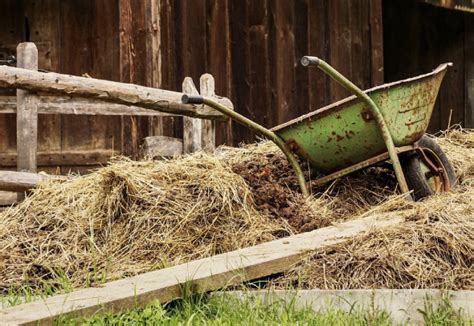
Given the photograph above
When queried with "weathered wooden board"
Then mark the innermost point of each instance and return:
(204, 275)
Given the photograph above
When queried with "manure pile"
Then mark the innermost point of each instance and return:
(132, 217)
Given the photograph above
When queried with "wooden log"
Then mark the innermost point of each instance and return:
(202, 275)
(63, 158)
(104, 90)
(192, 128)
(207, 86)
(161, 146)
(78, 106)
(21, 181)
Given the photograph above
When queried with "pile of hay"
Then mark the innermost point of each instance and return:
(434, 248)
(131, 217)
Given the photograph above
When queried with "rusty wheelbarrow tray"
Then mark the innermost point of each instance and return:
(369, 127)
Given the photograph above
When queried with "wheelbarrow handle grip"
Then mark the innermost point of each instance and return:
(192, 99)
(310, 61)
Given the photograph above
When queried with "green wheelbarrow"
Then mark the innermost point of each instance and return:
(385, 123)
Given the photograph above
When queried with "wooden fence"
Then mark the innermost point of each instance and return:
(98, 97)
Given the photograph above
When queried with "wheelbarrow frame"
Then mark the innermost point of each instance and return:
(288, 149)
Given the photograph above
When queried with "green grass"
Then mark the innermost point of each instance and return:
(228, 310)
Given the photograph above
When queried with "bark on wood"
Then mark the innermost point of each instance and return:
(204, 275)
(104, 90)
(192, 128)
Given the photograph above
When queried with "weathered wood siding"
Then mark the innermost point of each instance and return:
(418, 37)
(252, 47)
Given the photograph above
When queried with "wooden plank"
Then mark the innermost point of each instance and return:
(301, 32)
(192, 128)
(104, 90)
(469, 71)
(207, 86)
(318, 40)
(79, 106)
(285, 61)
(26, 115)
(451, 49)
(154, 54)
(240, 53)
(203, 275)
(21, 181)
(63, 158)
(339, 44)
(259, 66)
(219, 58)
(376, 42)
(44, 30)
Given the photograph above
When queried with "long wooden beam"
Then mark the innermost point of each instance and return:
(21, 181)
(203, 275)
(104, 90)
(48, 104)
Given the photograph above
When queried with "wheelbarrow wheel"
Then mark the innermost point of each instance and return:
(428, 170)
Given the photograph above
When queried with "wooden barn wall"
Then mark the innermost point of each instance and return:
(418, 37)
(252, 47)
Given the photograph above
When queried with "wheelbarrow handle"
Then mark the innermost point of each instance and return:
(192, 99)
(310, 61)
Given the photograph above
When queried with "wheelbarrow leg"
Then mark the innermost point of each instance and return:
(197, 99)
(387, 137)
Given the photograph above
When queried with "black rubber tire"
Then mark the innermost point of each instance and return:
(414, 175)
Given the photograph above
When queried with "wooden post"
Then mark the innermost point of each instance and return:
(207, 87)
(26, 113)
(192, 128)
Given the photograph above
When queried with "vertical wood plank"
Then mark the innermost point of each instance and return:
(241, 85)
(339, 44)
(26, 112)
(318, 39)
(207, 86)
(43, 21)
(169, 80)
(469, 70)
(192, 128)
(219, 58)
(128, 70)
(301, 49)
(153, 54)
(376, 42)
(284, 63)
(259, 64)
